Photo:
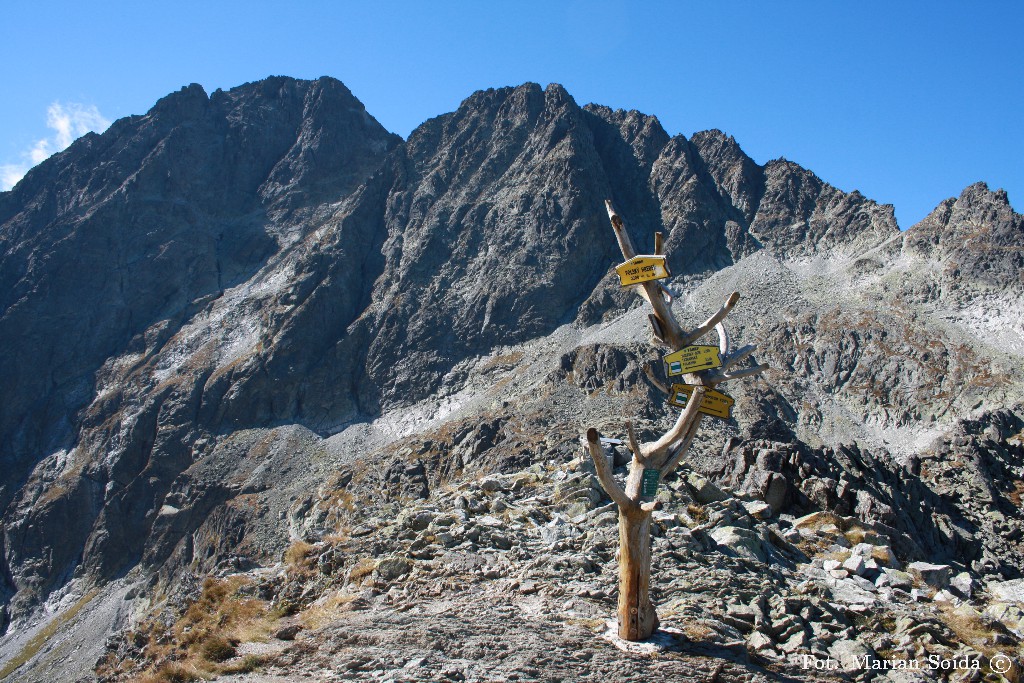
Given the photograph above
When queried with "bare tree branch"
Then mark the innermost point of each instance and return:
(656, 328)
(625, 244)
(739, 355)
(686, 419)
(649, 371)
(604, 473)
(634, 445)
(666, 293)
(745, 372)
(724, 342)
(706, 326)
(671, 332)
(677, 456)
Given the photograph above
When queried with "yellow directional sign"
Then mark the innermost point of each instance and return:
(693, 359)
(715, 403)
(641, 269)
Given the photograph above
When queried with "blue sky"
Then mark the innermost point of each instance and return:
(906, 102)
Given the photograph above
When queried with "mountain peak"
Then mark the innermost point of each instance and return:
(188, 102)
(977, 234)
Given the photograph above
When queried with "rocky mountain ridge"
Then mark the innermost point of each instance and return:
(259, 286)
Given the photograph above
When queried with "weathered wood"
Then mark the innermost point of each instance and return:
(661, 386)
(637, 618)
(657, 450)
(717, 379)
(633, 445)
(738, 356)
(672, 333)
(604, 473)
(676, 456)
(718, 317)
(656, 329)
(724, 342)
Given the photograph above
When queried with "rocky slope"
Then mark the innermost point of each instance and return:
(258, 289)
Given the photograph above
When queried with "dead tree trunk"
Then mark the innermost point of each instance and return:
(654, 461)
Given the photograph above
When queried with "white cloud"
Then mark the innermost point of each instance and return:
(68, 121)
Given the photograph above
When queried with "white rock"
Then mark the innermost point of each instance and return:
(850, 654)
(758, 509)
(1008, 591)
(963, 583)
(855, 564)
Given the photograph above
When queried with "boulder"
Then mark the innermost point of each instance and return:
(758, 509)
(776, 491)
(740, 542)
(855, 565)
(704, 491)
(935, 575)
(1008, 591)
(288, 632)
(894, 578)
(758, 642)
(815, 520)
(391, 568)
(963, 584)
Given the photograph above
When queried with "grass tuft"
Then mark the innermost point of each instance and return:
(38, 640)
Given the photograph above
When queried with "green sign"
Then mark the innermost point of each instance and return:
(649, 483)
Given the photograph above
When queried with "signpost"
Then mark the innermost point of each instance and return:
(693, 359)
(641, 269)
(715, 403)
(655, 460)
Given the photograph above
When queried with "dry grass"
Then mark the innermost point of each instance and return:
(196, 646)
(221, 612)
(363, 568)
(38, 640)
(326, 609)
(589, 623)
(300, 556)
(695, 630)
(217, 649)
(857, 535)
(813, 547)
(248, 664)
(172, 672)
(974, 631)
(1017, 494)
(698, 512)
(504, 359)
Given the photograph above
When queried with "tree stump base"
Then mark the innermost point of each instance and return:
(662, 640)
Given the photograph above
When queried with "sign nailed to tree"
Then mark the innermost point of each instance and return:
(693, 359)
(649, 483)
(641, 269)
(715, 403)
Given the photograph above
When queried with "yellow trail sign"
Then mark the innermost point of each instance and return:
(715, 403)
(641, 269)
(693, 359)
